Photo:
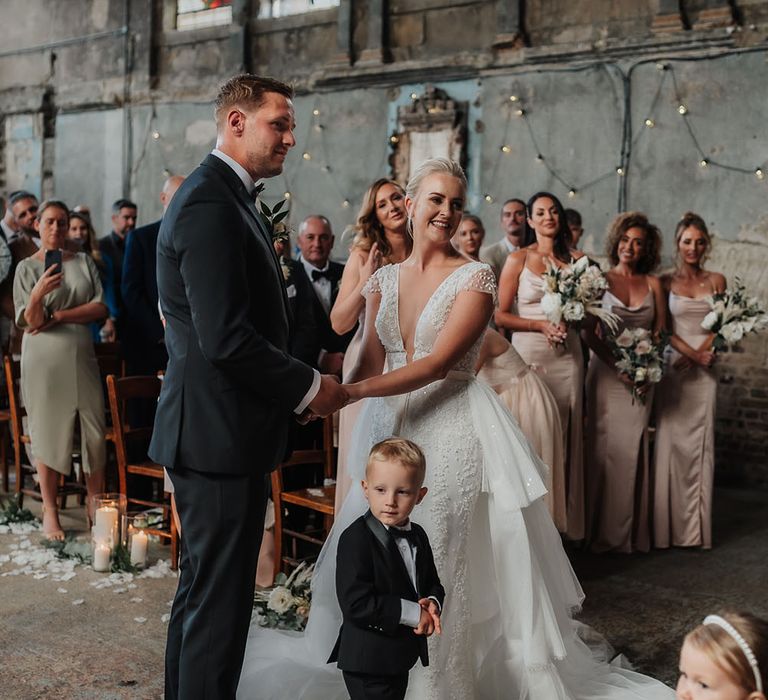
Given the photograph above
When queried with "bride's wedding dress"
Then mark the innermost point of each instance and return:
(510, 589)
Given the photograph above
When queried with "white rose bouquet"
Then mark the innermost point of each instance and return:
(733, 315)
(639, 357)
(572, 292)
(285, 605)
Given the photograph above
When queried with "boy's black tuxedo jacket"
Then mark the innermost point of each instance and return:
(371, 579)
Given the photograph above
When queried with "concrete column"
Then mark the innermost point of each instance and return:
(376, 51)
(716, 14)
(343, 54)
(510, 33)
(668, 19)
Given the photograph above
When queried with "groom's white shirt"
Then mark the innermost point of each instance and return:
(247, 180)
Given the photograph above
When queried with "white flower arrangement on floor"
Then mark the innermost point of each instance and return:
(733, 315)
(286, 605)
(640, 357)
(573, 291)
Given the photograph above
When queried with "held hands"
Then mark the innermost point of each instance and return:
(330, 398)
(554, 333)
(429, 622)
(702, 358)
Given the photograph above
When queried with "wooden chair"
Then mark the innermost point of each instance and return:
(320, 499)
(120, 391)
(5, 432)
(67, 486)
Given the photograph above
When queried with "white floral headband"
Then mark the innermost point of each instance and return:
(734, 633)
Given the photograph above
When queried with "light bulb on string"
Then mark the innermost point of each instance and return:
(414, 96)
(316, 112)
(286, 195)
(156, 135)
(319, 127)
(394, 138)
(513, 98)
(306, 155)
(539, 158)
(326, 168)
(572, 192)
(166, 172)
(506, 149)
(488, 198)
(704, 163)
(520, 112)
(760, 174)
(650, 123)
(682, 109)
(662, 66)
(345, 204)
(620, 171)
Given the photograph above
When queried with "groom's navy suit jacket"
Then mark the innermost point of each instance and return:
(371, 580)
(231, 386)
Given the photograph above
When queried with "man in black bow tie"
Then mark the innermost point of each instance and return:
(318, 345)
(231, 389)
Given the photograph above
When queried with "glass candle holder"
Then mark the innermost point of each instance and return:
(109, 518)
(102, 553)
(138, 540)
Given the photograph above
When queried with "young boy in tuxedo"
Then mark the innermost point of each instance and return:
(386, 581)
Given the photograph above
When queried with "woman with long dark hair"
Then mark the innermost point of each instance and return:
(553, 348)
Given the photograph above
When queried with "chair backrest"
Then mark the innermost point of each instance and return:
(120, 390)
(109, 359)
(12, 379)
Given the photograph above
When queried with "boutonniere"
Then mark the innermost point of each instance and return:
(285, 268)
(273, 217)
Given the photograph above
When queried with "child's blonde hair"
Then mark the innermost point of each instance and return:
(398, 449)
(721, 646)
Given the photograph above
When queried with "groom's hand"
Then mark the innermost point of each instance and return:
(331, 397)
(426, 624)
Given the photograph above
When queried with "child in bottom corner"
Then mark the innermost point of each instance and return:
(386, 581)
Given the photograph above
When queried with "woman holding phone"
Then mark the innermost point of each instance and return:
(56, 295)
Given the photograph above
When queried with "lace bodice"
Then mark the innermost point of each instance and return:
(473, 276)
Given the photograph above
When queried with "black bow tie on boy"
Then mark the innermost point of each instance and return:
(320, 274)
(408, 535)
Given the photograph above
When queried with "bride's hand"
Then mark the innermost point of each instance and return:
(354, 392)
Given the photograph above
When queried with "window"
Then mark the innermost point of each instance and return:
(196, 14)
(281, 8)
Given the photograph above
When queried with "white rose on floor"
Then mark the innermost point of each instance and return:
(552, 306)
(573, 311)
(643, 347)
(641, 374)
(709, 320)
(732, 332)
(280, 600)
(625, 340)
(654, 375)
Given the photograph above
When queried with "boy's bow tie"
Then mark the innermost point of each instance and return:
(408, 535)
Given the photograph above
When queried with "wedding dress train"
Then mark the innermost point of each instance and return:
(510, 589)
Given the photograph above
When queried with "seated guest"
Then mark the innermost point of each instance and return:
(315, 242)
(81, 238)
(573, 218)
(59, 375)
(469, 237)
(143, 337)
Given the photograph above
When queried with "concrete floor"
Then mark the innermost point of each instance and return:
(643, 604)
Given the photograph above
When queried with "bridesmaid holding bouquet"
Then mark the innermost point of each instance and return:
(617, 472)
(685, 413)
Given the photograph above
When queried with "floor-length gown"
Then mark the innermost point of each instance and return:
(535, 410)
(507, 631)
(562, 370)
(684, 456)
(617, 461)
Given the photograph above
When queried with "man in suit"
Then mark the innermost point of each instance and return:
(124, 214)
(513, 227)
(231, 389)
(315, 242)
(143, 337)
(388, 588)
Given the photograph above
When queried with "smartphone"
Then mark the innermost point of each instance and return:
(53, 257)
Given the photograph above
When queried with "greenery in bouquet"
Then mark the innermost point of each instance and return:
(573, 291)
(286, 605)
(734, 314)
(640, 357)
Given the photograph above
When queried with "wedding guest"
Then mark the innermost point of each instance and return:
(554, 348)
(8, 226)
(684, 453)
(318, 294)
(469, 237)
(388, 608)
(59, 375)
(142, 336)
(573, 218)
(81, 238)
(618, 479)
(513, 229)
(725, 658)
(380, 238)
(529, 400)
(113, 245)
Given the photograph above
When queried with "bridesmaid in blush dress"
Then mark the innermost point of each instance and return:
(555, 350)
(617, 463)
(684, 458)
(379, 239)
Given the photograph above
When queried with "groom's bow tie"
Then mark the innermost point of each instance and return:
(319, 275)
(408, 535)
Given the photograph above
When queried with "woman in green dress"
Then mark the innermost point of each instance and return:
(60, 378)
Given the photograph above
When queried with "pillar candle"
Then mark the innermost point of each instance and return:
(105, 523)
(102, 553)
(139, 548)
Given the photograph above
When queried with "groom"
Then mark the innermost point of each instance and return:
(231, 389)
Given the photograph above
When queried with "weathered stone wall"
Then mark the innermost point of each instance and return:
(103, 101)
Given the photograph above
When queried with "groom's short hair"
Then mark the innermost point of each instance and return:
(247, 90)
(396, 449)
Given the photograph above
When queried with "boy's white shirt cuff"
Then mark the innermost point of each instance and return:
(310, 395)
(410, 613)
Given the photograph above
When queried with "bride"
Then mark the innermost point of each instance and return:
(510, 590)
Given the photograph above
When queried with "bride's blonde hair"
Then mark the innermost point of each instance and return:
(433, 166)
